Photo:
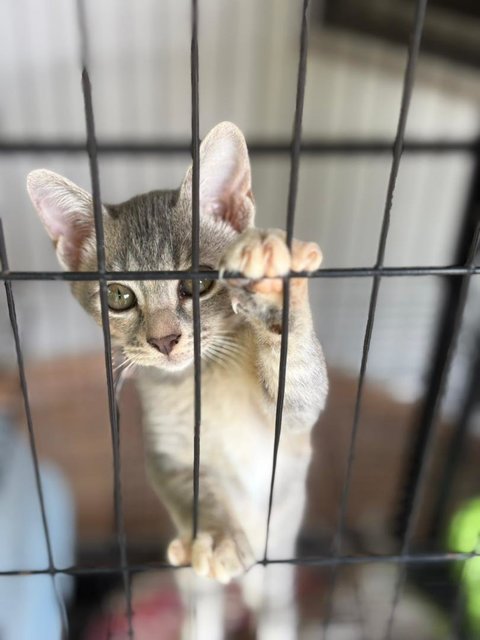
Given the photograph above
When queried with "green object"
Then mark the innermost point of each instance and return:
(464, 537)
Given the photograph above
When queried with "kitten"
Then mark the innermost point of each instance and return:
(240, 347)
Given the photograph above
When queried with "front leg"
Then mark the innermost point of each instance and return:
(220, 550)
(260, 255)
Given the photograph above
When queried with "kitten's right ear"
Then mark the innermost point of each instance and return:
(225, 178)
(66, 212)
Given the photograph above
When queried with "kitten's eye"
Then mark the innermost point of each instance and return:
(186, 286)
(120, 297)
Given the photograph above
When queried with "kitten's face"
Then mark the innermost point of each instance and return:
(153, 232)
(152, 320)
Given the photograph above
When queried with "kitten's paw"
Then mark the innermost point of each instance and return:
(260, 255)
(306, 256)
(221, 558)
(256, 254)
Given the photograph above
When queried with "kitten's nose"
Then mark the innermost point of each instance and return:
(165, 344)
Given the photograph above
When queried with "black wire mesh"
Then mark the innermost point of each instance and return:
(275, 148)
(292, 200)
(196, 262)
(295, 148)
(100, 242)
(312, 561)
(31, 435)
(408, 80)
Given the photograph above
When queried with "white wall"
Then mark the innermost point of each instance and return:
(248, 60)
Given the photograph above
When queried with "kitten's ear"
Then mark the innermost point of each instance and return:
(66, 212)
(225, 177)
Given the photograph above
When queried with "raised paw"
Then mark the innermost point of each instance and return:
(257, 254)
(306, 256)
(261, 255)
(221, 558)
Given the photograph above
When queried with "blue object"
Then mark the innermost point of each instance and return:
(29, 606)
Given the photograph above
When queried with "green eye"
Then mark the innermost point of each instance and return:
(120, 298)
(186, 286)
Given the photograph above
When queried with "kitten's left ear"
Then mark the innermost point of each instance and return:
(66, 211)
(225, 177)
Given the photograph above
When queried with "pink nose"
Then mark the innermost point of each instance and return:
(165, 344)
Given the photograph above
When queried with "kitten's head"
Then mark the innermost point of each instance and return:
(152, 320)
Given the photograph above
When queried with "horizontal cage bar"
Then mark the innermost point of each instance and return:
(313, 561)
(341, 272)
(319, 146)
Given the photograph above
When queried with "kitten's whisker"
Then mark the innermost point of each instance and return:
(230, 343)
(213, 358)
(227, 337)
(130, 368)
(226, 356)
(232, 348)
(214, 349)
(231, 355)
(120, 365)
(122, 370)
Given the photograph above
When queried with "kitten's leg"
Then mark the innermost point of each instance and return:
(220, 550)
(258, 253)
(203, 602)
(270, 591)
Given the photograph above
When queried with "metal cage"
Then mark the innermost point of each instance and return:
(456, 277)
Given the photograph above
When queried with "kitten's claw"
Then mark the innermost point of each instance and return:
(235, 305)
(220, 558)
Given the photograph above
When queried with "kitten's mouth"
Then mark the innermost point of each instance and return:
(174, 363)
(170, 362)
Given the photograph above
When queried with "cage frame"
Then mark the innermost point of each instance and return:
(458, 274)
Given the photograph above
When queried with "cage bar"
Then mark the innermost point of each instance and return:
(447, 477)
(459, 275)
(310, 561)
(195, 149)
(408, 81)
(440, 351)
(12, 313)
(347, 147)
(91, 143)
(339, 272)
(292, 199)
(431, 413)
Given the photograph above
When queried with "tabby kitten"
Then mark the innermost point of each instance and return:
(240, 345)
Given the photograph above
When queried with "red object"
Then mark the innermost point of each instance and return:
(155, 615)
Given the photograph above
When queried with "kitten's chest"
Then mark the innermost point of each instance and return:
(233, 418)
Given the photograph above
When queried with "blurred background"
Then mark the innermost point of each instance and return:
(140, 72)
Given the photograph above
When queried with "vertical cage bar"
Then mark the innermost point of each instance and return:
(292, 200)
(12, 313)
(92, 151)
(408, 82)
(458, 614)
(456, 447)
(195, 148)
(438, 360)
(418, 487)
